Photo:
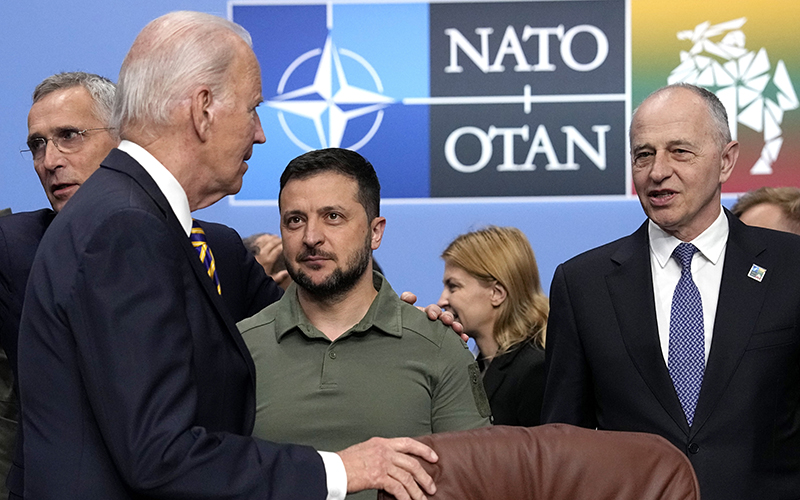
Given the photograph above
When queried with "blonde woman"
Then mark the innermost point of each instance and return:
(491, 285)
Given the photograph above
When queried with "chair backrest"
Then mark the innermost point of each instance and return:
(557, 462)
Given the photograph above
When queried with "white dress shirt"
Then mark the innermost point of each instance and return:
(707, 266)
(335, 473)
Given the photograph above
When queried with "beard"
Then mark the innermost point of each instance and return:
(340, 280)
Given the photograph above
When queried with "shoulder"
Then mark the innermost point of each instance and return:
(416, 323)
(604, 252)
(262, 319)
(531, 353)
(220, 231)
(225, 242)
(525, 358)
(20, 235)
(758, 237)
(27, 222)
(433, 336)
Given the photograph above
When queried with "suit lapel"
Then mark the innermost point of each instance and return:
(740, 300)
(122, 162)
(496, 372)
(630, 286)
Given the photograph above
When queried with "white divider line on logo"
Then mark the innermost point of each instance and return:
(232, 201)
(515, 99)
(526, 99)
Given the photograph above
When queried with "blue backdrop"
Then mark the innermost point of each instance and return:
(39, 38)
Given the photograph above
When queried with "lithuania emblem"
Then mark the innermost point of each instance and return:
(754, 95)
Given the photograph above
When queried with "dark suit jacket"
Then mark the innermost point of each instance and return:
(605, 366)
(135, 382)
(20, 235)
(514, 383)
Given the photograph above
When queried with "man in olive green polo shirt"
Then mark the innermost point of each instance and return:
(340, 358)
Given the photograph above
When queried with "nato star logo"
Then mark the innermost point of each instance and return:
(330, 101)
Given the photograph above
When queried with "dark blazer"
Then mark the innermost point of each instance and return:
(134, 380)
(20, 235)
(247, 290)
(514, 383)
(605, 366)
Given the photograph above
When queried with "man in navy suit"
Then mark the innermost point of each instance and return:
(704, 353)
(66, 106)
(71, 111)
(135, 382)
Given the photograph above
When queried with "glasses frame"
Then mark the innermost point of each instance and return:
(29, 154)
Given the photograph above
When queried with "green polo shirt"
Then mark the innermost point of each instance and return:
(395, 373)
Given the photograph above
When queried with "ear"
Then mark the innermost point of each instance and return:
(202, 114)
(499, 294)
(728, 159)
(377, 226)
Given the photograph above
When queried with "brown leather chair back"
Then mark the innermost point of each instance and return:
(557, 462)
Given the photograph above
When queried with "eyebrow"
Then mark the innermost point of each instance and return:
(670, 144)
(329, 208)
(55, 131)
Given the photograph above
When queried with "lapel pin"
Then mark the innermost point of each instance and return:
(757, 273)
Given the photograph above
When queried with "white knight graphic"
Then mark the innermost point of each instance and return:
(739, 78)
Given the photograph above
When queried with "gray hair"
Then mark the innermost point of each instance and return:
(172, 55)
(100, 88)
(715, 110)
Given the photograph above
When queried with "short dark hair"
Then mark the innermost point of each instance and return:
(341, 161)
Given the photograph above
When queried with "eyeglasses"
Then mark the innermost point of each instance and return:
(68, 140)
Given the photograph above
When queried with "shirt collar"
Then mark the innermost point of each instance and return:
(384, 313)
(711, 242)
(166, 182)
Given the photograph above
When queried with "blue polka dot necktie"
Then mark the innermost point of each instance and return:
(198, 237)
(686, 360)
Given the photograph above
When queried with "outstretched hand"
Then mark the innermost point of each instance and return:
(435, 312)
(387, 464)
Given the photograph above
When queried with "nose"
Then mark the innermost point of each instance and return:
(661, 168)
(259, 137)
(313, 235)
(52, 158)
(443, 299)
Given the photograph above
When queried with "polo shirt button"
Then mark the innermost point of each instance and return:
(694, 448)
(332, 355)
(474, 378)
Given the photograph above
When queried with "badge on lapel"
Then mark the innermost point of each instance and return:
(757, 273)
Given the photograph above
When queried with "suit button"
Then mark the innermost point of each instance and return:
(693, 448)
(332, 355)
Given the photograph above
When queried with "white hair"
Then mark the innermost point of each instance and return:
(172, 55)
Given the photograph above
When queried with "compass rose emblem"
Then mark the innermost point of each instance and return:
(330, 101)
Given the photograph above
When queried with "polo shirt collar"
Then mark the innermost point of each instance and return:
(384, 313)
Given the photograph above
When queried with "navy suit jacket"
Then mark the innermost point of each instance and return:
(20, 235)
(514, 383)
(135, 382)
(605, 366)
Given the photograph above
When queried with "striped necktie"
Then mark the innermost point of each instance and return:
(686, 359)
(198, 237)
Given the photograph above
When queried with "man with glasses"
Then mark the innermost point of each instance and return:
(68, 137)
